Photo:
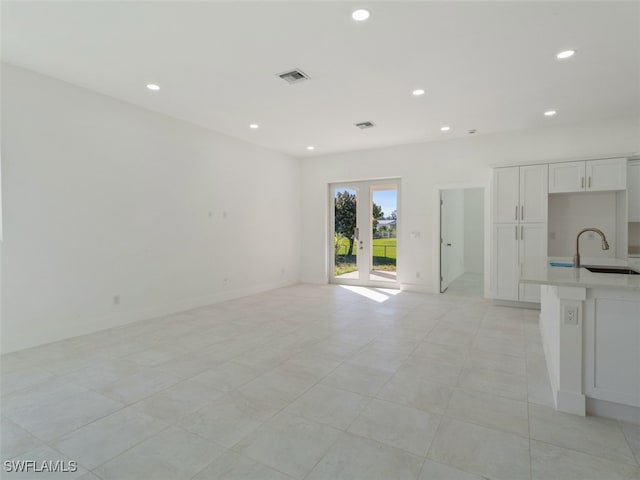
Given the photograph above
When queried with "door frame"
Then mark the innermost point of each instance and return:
(437, 269)
(364, 282)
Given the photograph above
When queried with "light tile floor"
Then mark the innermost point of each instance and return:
(468, 285)
(308, 382)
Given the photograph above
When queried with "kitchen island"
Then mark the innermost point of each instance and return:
(590, 327)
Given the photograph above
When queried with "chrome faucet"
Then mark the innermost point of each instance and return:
(605, 244)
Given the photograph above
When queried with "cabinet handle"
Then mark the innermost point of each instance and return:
(589, 181)
(521, 232)
(516, 232)
(522, 212)
(516, 212)
(582, 184)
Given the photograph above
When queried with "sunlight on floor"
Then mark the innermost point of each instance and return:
(377, 295)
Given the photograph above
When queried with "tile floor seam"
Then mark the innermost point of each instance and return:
(636, 455)
(585, 453)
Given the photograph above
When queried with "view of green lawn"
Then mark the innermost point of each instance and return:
(383, 253)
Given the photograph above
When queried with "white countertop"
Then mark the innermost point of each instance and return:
(537, 270)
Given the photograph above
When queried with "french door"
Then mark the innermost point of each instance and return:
(363, 248)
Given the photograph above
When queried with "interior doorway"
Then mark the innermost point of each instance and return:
(363, 243)
(462, 232)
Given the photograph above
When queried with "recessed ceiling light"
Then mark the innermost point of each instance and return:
(445, 128)
(565, 54)
(550, 113)
(254, 126)
(360, 15)
(153, 86)
(418, 92)
(311, 147)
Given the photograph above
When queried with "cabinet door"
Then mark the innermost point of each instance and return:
(505, 261)
(609, 174)
(505, 195)
(633, 190)
(532, 244)
(567, 177)
(534, 184)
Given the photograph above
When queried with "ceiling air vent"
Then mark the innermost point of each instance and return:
(294, 76)
(363, 125)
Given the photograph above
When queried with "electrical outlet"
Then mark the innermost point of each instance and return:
(116, 299)
(570, 314)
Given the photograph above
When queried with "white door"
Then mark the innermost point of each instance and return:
(567, 177)
(451, 236)
(532, 239)
(505, 261)
(609, 174)
(363, 238)
(505, 195)
(534, 183)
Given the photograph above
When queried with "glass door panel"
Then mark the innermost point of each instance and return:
(384, 227)
(363, 248)
(346, 240)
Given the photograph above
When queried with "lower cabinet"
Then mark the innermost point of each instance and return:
(512, 243)
(611, 350)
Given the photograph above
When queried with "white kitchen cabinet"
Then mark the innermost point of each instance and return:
(506, 202)
(612, 356)
(533, 198)
(520, 194)
(506, 268)
(633, 190)
(532, 243)
(520, 205)
(512, 244)
(588, 176)
(609, 174)
(566, 177)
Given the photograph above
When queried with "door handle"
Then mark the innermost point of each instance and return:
(521, 232)
(522, 212)
(582, 183)
(516, 212)
(516, 232)
(448, 244)
(589, 181)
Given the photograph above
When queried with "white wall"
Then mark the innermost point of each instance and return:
(571, 212)
(474, 230)
(426, 167)
(102, 198)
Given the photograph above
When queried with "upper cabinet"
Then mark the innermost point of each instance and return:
(633, 190)
(520, 194)
(533, 193)
(506, 202)
(588, 176)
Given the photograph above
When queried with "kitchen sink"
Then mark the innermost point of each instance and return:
(612, 269)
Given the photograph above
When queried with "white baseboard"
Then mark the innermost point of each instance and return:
(512, 303)
(617, 411)
(105, 322)
(571, 402)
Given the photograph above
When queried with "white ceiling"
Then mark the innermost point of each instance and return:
(484, 65)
